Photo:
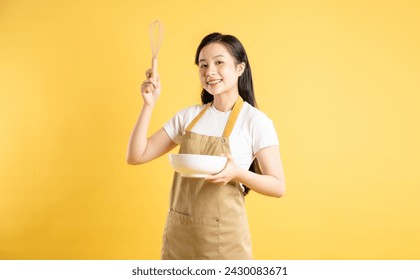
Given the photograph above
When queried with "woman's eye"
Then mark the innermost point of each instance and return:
(203, 66)
(219, 62)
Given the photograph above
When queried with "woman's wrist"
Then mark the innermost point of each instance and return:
(240, 174)
(148, 106)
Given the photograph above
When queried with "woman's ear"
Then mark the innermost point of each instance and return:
(240, 68)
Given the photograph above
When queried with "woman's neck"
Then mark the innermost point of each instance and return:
(224, 102)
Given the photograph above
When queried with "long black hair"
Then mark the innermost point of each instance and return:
(245, 85)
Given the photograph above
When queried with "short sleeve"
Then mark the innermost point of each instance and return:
(173, 128)
(263, 133)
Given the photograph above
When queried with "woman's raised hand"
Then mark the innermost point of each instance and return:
(150, 88)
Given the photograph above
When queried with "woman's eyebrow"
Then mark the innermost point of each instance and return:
(220, 55)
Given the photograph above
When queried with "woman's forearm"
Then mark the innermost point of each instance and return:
(264, 184)
(271, 183)
(138, 139)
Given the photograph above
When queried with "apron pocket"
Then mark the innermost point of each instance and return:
(191, 238)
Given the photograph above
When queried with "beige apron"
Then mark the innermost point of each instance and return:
(206, 221)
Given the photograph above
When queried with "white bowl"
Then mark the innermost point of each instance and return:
(197, 166)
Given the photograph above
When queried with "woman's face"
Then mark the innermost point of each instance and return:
(219, 72)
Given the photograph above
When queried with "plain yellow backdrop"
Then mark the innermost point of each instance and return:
(340, 80)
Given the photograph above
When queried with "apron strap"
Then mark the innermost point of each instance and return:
(198, 117)
(233, 117)
(231, 121)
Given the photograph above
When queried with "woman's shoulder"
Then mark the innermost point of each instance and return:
(190, 110)
(253, 114)
(181, 118)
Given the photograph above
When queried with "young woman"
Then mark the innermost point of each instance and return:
(207, 217)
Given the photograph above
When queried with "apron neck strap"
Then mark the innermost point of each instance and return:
(198, 117)
(233, 116)
(231, 121)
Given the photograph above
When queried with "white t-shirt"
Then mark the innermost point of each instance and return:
(253, 130)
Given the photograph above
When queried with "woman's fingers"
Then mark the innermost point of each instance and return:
(148, 73)
(148, 85)
(219, 179)
(152, 76)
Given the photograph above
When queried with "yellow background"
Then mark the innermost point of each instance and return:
(340, 79)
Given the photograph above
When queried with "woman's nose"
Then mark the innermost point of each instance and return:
(210, 70)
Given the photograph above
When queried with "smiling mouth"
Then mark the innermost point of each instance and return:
(214, 82)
